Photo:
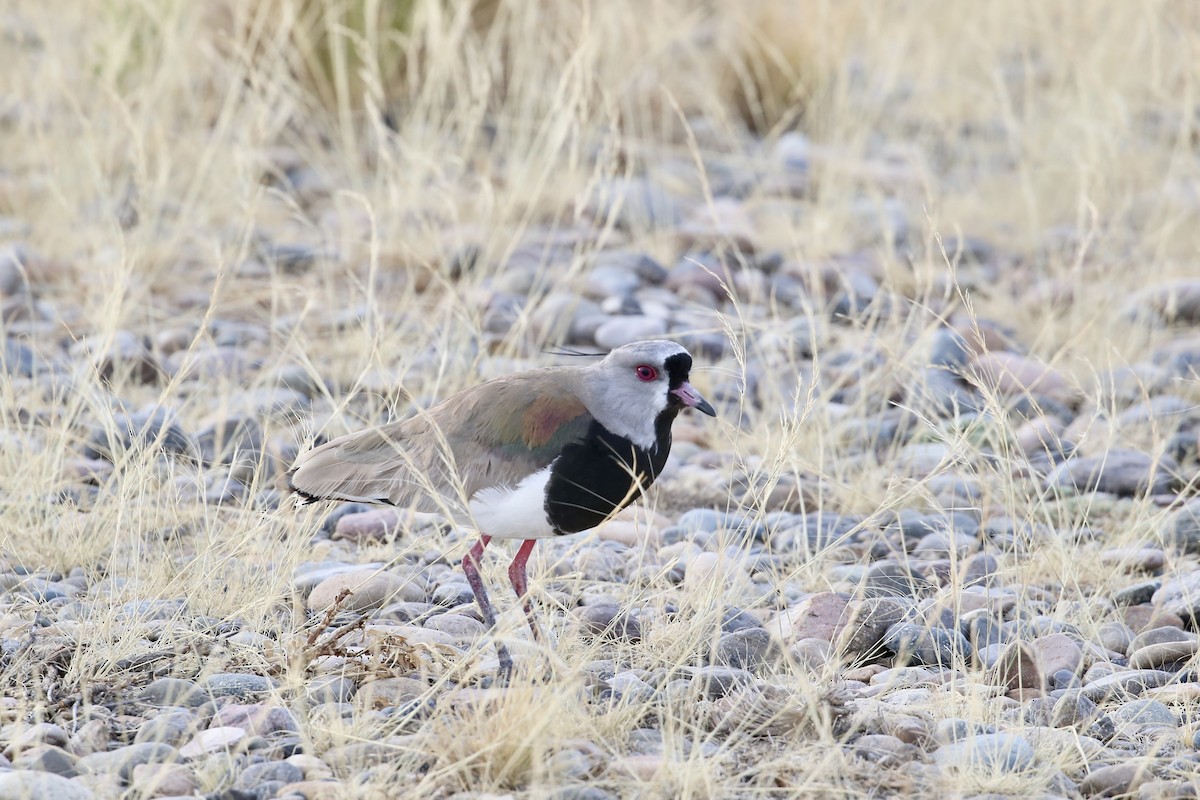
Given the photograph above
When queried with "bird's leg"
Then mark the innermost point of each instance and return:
(516, 574)
(470, 565)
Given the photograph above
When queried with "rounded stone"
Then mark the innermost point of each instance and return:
(922, 645)
(1114, 780)
(26, 784)
(1165, 654)
(163, 780)
(212, 740)
(168, 728)
(748, 648)
(1144, 712)
(280, 771)
(989, 752)
(47, 758)
(609, 622)
(462, 628)
(237, 684)
(618, 331)
(368, 588)
(122, 760)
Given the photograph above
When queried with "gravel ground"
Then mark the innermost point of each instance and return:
(937, 542)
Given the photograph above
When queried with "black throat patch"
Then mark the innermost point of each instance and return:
(602, 474)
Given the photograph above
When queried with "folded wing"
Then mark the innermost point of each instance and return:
(492, 435)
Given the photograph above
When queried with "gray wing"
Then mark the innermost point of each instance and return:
(494, 434)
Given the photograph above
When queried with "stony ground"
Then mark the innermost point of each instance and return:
(943, 538)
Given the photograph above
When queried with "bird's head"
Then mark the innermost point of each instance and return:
(637, 383)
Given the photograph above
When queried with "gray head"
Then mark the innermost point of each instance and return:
(636, 383)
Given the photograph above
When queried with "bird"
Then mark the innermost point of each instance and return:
(533, 455)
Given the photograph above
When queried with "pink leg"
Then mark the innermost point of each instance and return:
(516, 574)
(470, 566)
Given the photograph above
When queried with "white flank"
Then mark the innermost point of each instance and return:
(514, 513)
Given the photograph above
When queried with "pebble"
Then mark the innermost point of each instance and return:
(1179, 596)
(367, 526)
(240, 685)
(987, 753)
(746, 648)
(173, 692)
(609, 622)
(163, 780)
(212, 740)
(619, 331)
(123, 759)
(47, 758)
(1144, 712)
(367, 589)
(170, 728)
(1132, 682)
(1010, 373)
(1124, 473)
(27, 784)
(1114, 780)
(926, 645)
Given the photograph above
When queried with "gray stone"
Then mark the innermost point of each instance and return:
(889, 579)
(620, 331)
(173, 692)
(926, 645)
(1114, 780)
(462, 628)
(1133, 682)
(47, 758)
(1182, 527)
(1160, 635)
(609, 622)
(871, 617)
(453, 593)
(17, 359)
(581, 793)
(239, 685)
(1137, 593)
(629, 687)
(1114, 636)
(30, 785)
(368, 588)
(155, 427)
(1072, 710)
(122, 760)
(716, 682)
(989, 752)
(170, 728)
(637, 204)
(1164, 655)
(1121, 472)
(329, 689)
(748, 648)
(1180, 596)
(41, 733)
(1144, 712)
(280, 771)
(884, 750)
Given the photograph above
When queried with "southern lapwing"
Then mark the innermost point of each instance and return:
(532, 455)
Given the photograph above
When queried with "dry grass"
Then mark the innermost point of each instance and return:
(160, 158)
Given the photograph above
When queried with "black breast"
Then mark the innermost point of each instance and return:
(595, 477)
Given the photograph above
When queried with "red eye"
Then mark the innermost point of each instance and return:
(646, 372)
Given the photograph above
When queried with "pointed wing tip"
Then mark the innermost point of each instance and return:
(300, 497)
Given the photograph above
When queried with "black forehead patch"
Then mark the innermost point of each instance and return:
(678, 366)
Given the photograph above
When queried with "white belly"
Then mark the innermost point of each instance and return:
(518, 512)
